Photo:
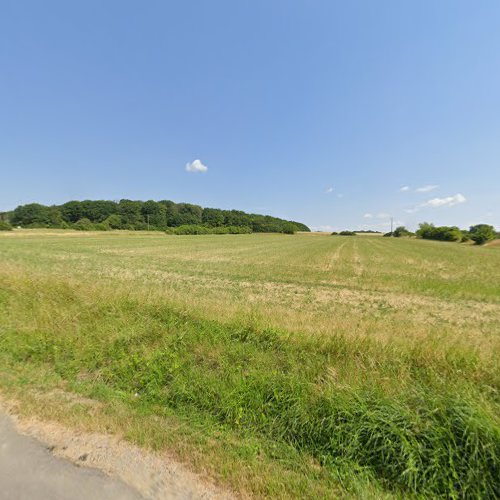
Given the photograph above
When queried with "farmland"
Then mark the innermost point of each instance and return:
(279, 365)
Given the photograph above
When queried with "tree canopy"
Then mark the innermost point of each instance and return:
(140, 215)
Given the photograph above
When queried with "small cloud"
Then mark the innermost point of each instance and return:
(426, 189)
(449, 201)
(329, 190)
(196, 166)
(380, 215)
(404, 188)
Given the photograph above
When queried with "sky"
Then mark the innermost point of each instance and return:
(336, 114)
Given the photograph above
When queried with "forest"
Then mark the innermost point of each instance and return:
(161, 215)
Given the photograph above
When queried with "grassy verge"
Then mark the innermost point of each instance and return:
(283, 414)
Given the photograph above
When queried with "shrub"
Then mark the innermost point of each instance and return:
(482, 233)
(5, 226)
(442, 233)
(401, 231)
(334, 233)
(386, 235)
(347, 233)
(84, 225)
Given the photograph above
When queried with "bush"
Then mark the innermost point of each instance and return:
(347, 233)
(482, 233)
(83, 225)
(334, 233)
(387, 235)
(5, 226)
(442, 233)
(401, 231)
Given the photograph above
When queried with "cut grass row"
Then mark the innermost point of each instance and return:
(419, 420)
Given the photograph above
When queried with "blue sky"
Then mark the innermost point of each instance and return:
(318, 111)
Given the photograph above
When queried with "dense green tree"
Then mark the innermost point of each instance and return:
(84, 224)
(130, 213)
(442, 233)
(154, 214)
(5, 226)
(401, 231)
(212, 217)
(482, 233)
(32, 214)
(114, 221)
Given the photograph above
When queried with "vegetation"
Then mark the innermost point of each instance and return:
(275, 363)
(482, 233)
(5, 226)
(137, 215)
(442, 233)
(347, 233)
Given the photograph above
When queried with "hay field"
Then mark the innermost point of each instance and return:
(279, 365)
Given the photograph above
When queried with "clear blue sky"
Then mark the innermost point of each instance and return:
(318, 111)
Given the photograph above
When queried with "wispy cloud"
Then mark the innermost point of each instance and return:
(448, 201)
(329, 190)
(380, 215)
(196, 166)
(426, 189)
(404, 188)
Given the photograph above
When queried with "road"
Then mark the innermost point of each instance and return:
(28, 471)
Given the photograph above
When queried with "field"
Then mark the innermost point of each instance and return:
(278, 365)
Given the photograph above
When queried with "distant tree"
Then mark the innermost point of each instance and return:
(84, 225)
(335, 233)
(114, 221)
(347, 233)
(5, 226)
(187, 214)
(72, 211)
(212, 217)
(401, 231)
(442, 233)
(482, 233)
(155, 214)
(130, 213)
(32, 214)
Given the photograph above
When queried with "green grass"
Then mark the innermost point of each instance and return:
(303, 366)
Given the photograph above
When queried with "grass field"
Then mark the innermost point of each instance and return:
(306, 366)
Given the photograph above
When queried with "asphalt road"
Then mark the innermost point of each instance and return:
(28, 471)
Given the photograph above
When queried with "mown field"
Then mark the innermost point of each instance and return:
(308, 365)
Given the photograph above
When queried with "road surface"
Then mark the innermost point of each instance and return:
(28, 471)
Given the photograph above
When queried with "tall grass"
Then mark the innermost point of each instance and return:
(414, 421)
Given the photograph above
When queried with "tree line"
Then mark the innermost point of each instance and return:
(479, 234)
(164, 215)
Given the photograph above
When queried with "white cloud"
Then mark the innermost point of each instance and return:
(329, 190)
(196, 166)
(426, 189)
(380, 215)
(449, 201)
(405, 188)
